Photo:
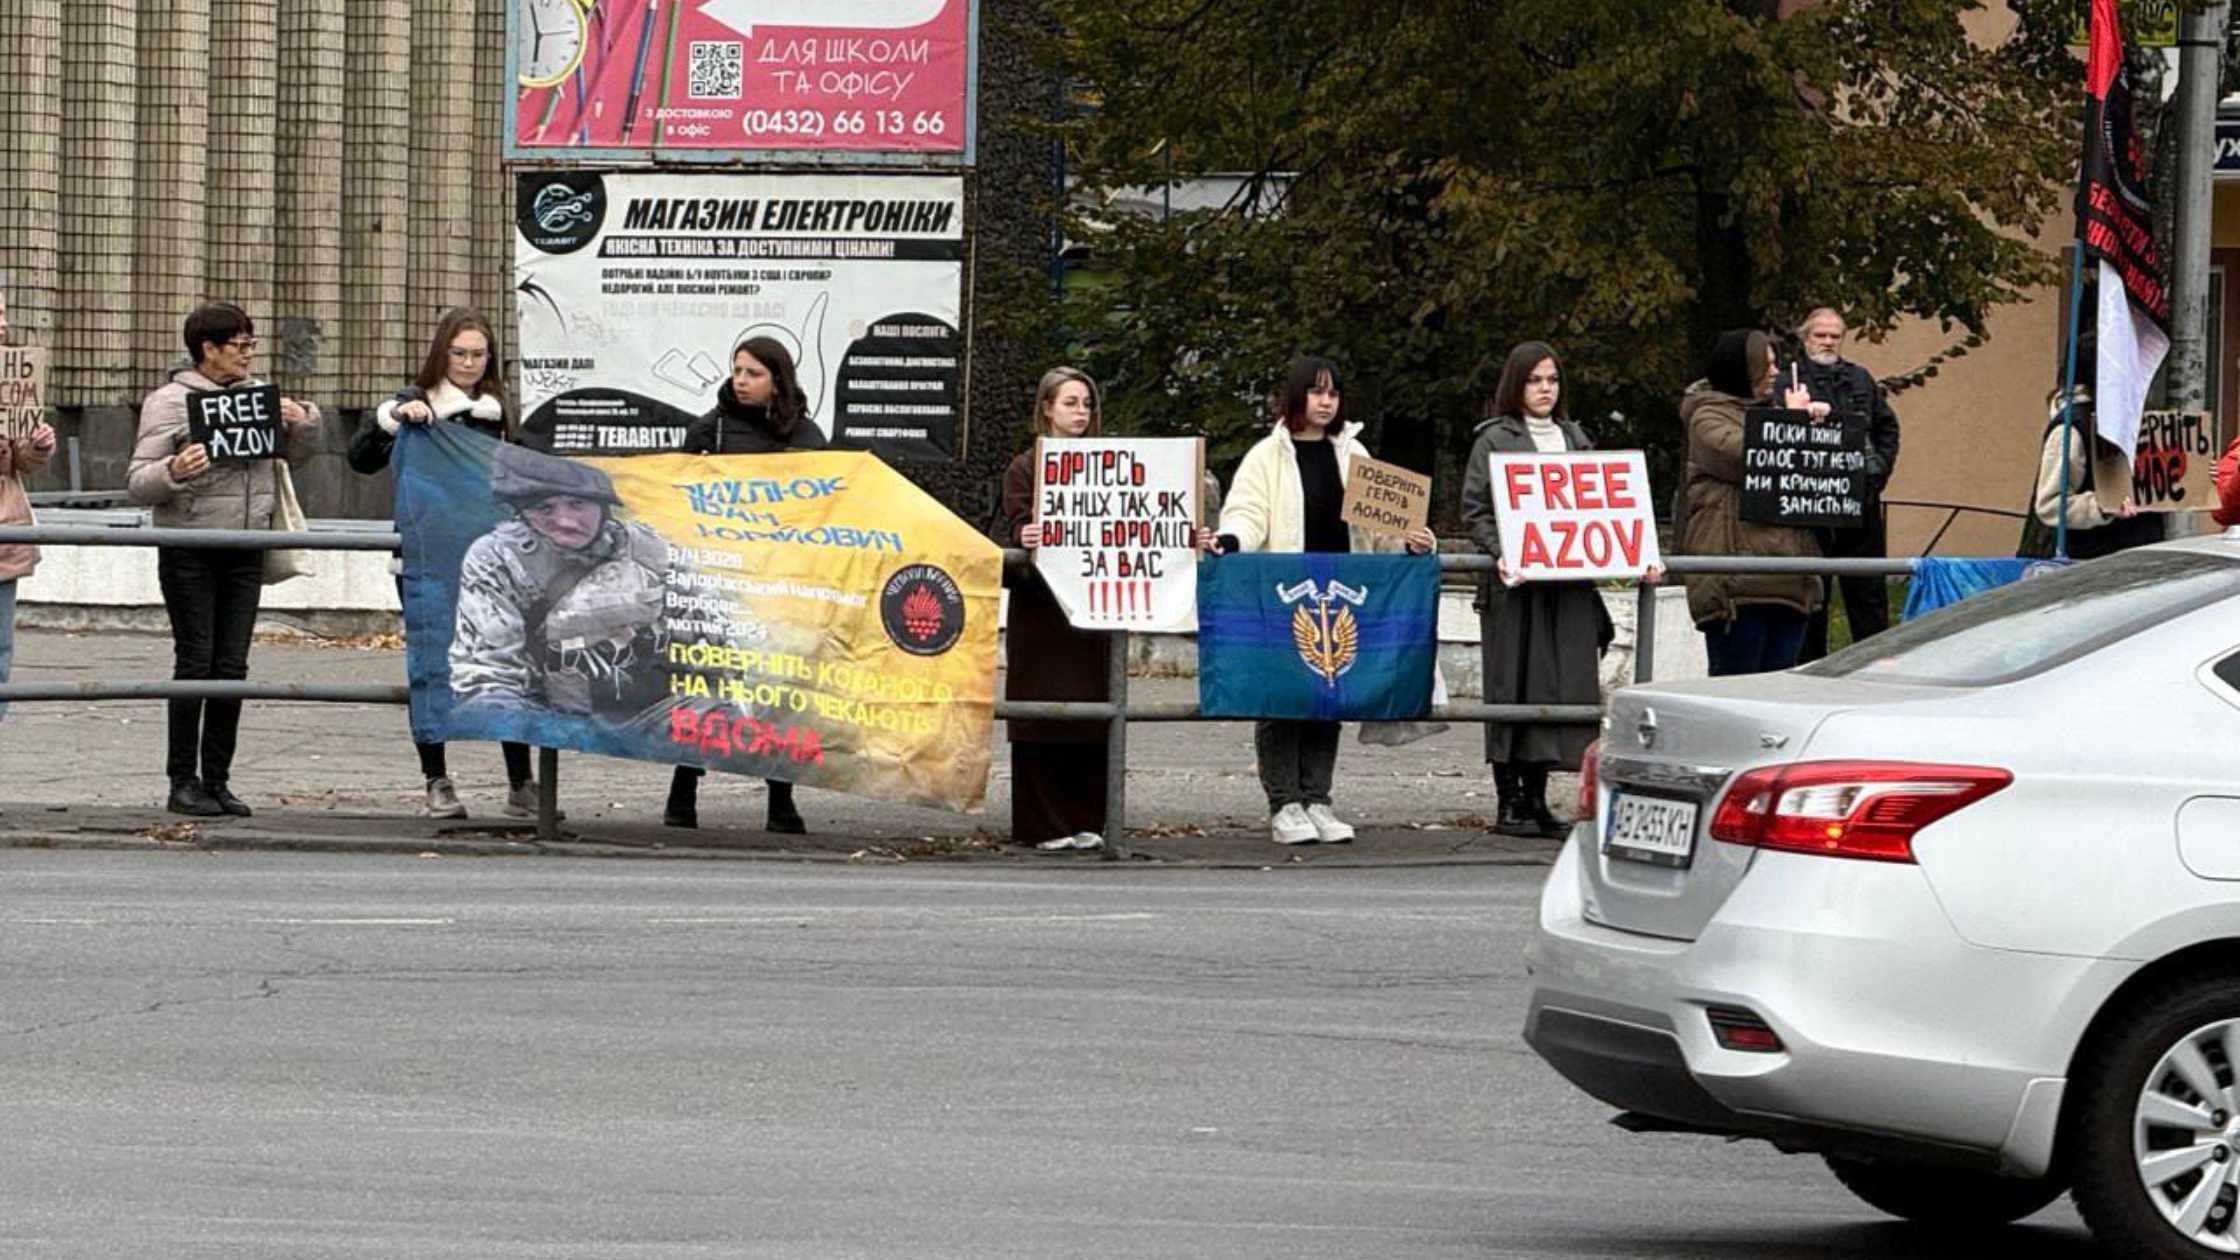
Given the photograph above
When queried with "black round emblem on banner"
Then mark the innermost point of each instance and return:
(922, 609)
(560, 211)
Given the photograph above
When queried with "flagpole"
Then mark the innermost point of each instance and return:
(2069, 395)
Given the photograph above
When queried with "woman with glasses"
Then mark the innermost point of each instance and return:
(459, 381)
(211, 593)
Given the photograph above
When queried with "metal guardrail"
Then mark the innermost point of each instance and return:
(1117, 712)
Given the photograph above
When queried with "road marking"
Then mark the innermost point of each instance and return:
(962, 917)
(351, 922)
(1061, 918)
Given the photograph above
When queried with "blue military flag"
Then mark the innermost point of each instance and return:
(1324, 637)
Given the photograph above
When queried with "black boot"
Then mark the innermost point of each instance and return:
(188, 797)
(785, 820)
(1534, 781)
(1510, 817)
(683, 809)
(225, 798)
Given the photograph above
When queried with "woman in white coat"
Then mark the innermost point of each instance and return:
(1289, 495)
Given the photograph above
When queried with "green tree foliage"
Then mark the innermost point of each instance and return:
(1433, 182)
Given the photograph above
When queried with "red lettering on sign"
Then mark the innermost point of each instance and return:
(1535, 548)
(1617, 487)
(1628, 534)
(1586, 484)
(1519, 477)
(1554, 483)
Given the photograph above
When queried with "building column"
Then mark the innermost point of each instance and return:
(93, 362)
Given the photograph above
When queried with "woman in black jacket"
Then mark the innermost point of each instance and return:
(759, 411)
(1539, 642)
(459, 381)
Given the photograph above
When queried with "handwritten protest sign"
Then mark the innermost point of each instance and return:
(23, 389)
(236, 425)
(1583, 514)
(1119, 518)
(1797, 471)
(1386, 498)
(2177, 454)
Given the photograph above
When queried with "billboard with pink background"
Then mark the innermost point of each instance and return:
(832, 80)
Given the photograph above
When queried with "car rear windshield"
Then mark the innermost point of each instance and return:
(2039, 622)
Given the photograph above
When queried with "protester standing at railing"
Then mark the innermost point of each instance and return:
(760, 410)
(19, 456)
(460, 380)
(211, 593)
(1538, 642)
(2103, 519)
(1751, 622)
(1289, 495)
(1844, 389)
(1057, 766)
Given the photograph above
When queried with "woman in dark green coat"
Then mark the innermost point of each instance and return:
(1538, 642)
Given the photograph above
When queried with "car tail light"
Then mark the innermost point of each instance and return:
(1589, 775)
(1737, 1029)
(1854, 809)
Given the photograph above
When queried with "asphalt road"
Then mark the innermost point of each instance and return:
(284, 1055)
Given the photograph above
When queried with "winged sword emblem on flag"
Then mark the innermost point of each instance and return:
(1323, 625)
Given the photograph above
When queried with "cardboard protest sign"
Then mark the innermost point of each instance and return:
(1576, 515)
(810, 616)
(1801, 472)
(1386, 498)
(2177, 455)
(235, 426)
(23, 389)
(1119, 520)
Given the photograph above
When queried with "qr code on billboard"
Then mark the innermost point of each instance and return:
(717, 70)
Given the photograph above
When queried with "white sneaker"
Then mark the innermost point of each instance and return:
(1327, 828)
(443, 800)
(1088, 840)
(1291, 826)
(1059, 845)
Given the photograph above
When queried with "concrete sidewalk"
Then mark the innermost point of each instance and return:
(344, 778)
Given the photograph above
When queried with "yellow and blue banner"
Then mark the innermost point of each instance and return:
(807, 616)
(1317, 636)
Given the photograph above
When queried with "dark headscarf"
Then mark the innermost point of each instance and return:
(1736, 359)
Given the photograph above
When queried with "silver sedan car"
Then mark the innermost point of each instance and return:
(1957, 909)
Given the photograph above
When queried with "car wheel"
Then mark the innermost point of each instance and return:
(2157, 1127)
(1937, 1194)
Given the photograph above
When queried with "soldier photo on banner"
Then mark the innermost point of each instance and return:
(812, 616)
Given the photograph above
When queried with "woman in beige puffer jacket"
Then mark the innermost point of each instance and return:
(211, 593)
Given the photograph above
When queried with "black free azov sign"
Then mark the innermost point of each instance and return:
(236, 426)
(1807, 473)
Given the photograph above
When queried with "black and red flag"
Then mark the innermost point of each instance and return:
(2115, 222)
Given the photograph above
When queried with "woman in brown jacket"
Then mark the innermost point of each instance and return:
(1751, 622)
(1057, 767)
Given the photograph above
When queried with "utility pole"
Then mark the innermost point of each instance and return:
(2201, 34)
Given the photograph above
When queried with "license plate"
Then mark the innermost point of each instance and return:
(1650, 829)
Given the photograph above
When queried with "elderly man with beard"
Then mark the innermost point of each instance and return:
(1845, 389)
